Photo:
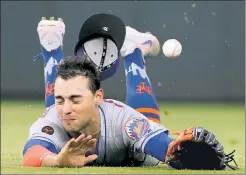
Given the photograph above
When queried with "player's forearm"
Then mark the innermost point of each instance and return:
(155, 145)
(37, 156)
(50, 160)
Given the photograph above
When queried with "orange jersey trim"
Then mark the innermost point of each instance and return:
(149, 110)
(154, 120)
(33, 156)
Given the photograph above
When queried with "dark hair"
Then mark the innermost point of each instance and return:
(79, 65)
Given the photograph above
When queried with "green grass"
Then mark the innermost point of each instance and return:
(226, 120)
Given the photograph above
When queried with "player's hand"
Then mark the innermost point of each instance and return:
(186, 135)
(73, 153)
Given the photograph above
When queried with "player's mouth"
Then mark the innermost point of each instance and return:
(68, 120)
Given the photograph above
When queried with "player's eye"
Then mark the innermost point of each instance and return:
(76, 102)
(59, 102)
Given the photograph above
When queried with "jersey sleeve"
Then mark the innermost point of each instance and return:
(150, 140)
(47, 133)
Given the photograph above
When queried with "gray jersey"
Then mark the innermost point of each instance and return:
(121, 127)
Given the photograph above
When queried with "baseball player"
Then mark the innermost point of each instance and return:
(81, 127)
(114, 125)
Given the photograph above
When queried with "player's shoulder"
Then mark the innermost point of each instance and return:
(49, 118)
(112, 103)
(118, 110)
(49, 127)
(49, 114)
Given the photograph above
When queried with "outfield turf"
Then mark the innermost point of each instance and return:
(226, 120)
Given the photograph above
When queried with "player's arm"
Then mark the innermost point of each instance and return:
(49, 145)
(42, 146)
(71, 155)
(39, 153)
(45, 141)
(147, 137)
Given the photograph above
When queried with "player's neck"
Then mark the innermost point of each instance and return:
(94, 126)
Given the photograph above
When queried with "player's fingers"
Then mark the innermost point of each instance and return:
(92, 142)
(82, 136)
(69, 144)
(86, 145)
(83, 144)
(86, 139)
(90, 145)
(90, 159)
(187, 135)
(170, 149)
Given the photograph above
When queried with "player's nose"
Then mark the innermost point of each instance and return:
(67, 108)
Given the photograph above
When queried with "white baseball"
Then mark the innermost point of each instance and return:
(172, 48)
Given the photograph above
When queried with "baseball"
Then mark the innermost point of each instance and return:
(172, 48)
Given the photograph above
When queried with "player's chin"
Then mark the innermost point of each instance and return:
(71, 129)
(70, 125)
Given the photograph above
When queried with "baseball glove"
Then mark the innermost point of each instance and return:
(198, 149)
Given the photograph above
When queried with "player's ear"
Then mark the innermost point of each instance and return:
(99, 95)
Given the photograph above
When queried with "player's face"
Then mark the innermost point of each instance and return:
(75, 103)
